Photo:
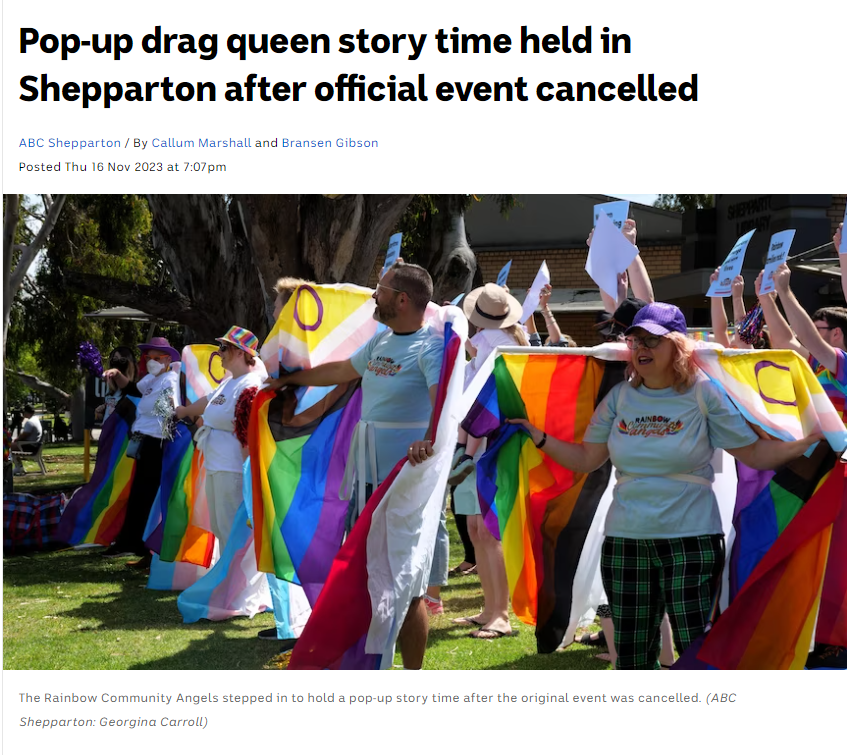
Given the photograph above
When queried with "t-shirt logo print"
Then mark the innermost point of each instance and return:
(653, 425)
(218, 400)
(384, 367)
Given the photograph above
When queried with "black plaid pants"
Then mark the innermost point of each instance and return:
(645, 578)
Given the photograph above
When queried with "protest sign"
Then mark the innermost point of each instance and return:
(610, 254)
(731, 267)
(777, 254)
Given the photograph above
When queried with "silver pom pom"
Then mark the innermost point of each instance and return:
(163, 409)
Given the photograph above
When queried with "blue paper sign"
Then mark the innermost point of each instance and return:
(503, 275)
(393, 251)
(456, 301)
(617, 212)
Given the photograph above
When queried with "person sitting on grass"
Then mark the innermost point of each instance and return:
(29, 438)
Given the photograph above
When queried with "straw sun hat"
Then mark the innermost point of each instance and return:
(491, 307)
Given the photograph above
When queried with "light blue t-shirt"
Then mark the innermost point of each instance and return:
(653, 433)
(397, 372)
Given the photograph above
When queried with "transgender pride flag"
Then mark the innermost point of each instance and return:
(385, 562)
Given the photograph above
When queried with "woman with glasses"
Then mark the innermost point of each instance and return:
(664, 547)
(223, 453)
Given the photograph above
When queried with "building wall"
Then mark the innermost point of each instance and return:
(836, 212)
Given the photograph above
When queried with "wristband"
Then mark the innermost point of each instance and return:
(543, 441)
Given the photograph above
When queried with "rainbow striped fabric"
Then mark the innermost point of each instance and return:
(96, 512)
(178, 528)
(834, 385)
(299, 439)
(385, 561)
(542, 512)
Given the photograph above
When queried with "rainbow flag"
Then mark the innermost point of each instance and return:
(178, 528)
(175, 576)
(96, 512)
(299, 439)
(770, 622)
(542, 512)
(385, 561)
(201, 371)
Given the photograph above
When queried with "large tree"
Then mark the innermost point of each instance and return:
(684, 202)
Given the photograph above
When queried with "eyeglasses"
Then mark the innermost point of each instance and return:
(823, 327)
(649, 342)
(380, 287)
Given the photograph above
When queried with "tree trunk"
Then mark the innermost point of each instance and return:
(451, 262)
(78, 413)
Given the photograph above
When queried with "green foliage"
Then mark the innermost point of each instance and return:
(105, 235)
(684, 202)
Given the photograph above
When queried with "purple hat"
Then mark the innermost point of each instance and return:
(161, 344)
(659, 319)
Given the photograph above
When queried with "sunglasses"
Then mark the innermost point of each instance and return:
(649, 342)
(223, 347)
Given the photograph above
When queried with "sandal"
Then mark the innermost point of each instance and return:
(594, 640)
(463, 568)
(467, 621)
(492, 634)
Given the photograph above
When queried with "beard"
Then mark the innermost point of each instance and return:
(385, 312)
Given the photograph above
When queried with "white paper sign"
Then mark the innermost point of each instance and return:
(610, 254)
(731, 267)
(503, 275)
(616, 211)
(530, 304)
(393, 252)
(777, 254)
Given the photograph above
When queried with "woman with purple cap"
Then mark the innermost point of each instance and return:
(664, 548)
(223, 410)
(159, 390)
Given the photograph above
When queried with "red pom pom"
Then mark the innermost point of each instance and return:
(242, 413)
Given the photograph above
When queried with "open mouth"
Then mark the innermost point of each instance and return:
(643, 360)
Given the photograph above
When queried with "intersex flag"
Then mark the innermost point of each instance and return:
(299, 439)
(542, 512)
(96, 512)
(384, 564)
(202, 371)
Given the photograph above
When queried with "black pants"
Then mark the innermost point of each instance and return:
(462, 527)
(145, 485)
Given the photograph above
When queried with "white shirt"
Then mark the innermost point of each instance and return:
(31, 431)
(146, 422)
(221, 450)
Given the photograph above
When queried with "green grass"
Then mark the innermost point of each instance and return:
(64, 462)
(76, 610)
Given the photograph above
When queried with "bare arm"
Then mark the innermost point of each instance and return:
(578, 457)
(719, 322)
(770, 454)
(192, 410)
(842, 258)
(550, 321)
(116, 378)
(802, 324)
(738, 310)
(331, 373)
(421, 450)
(782, 337)
(639, 279)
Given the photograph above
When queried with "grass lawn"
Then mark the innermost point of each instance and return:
(64, 462)
(75, 610)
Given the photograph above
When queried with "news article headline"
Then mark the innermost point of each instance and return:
(347, 87)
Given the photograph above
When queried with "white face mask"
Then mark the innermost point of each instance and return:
(154, 367)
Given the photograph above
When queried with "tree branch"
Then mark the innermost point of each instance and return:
(37, 384)
(28, 254)
(164, 305)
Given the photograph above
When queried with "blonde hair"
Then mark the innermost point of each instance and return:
(517, 333)
(684, 368)
(285, 287)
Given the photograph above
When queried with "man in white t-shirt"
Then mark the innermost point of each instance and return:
(29, 438)
(399, 368)
(159, 390)
(223, 453)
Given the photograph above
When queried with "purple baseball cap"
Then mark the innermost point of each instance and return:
(659, 319)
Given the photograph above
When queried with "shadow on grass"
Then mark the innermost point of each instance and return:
(558, 661)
